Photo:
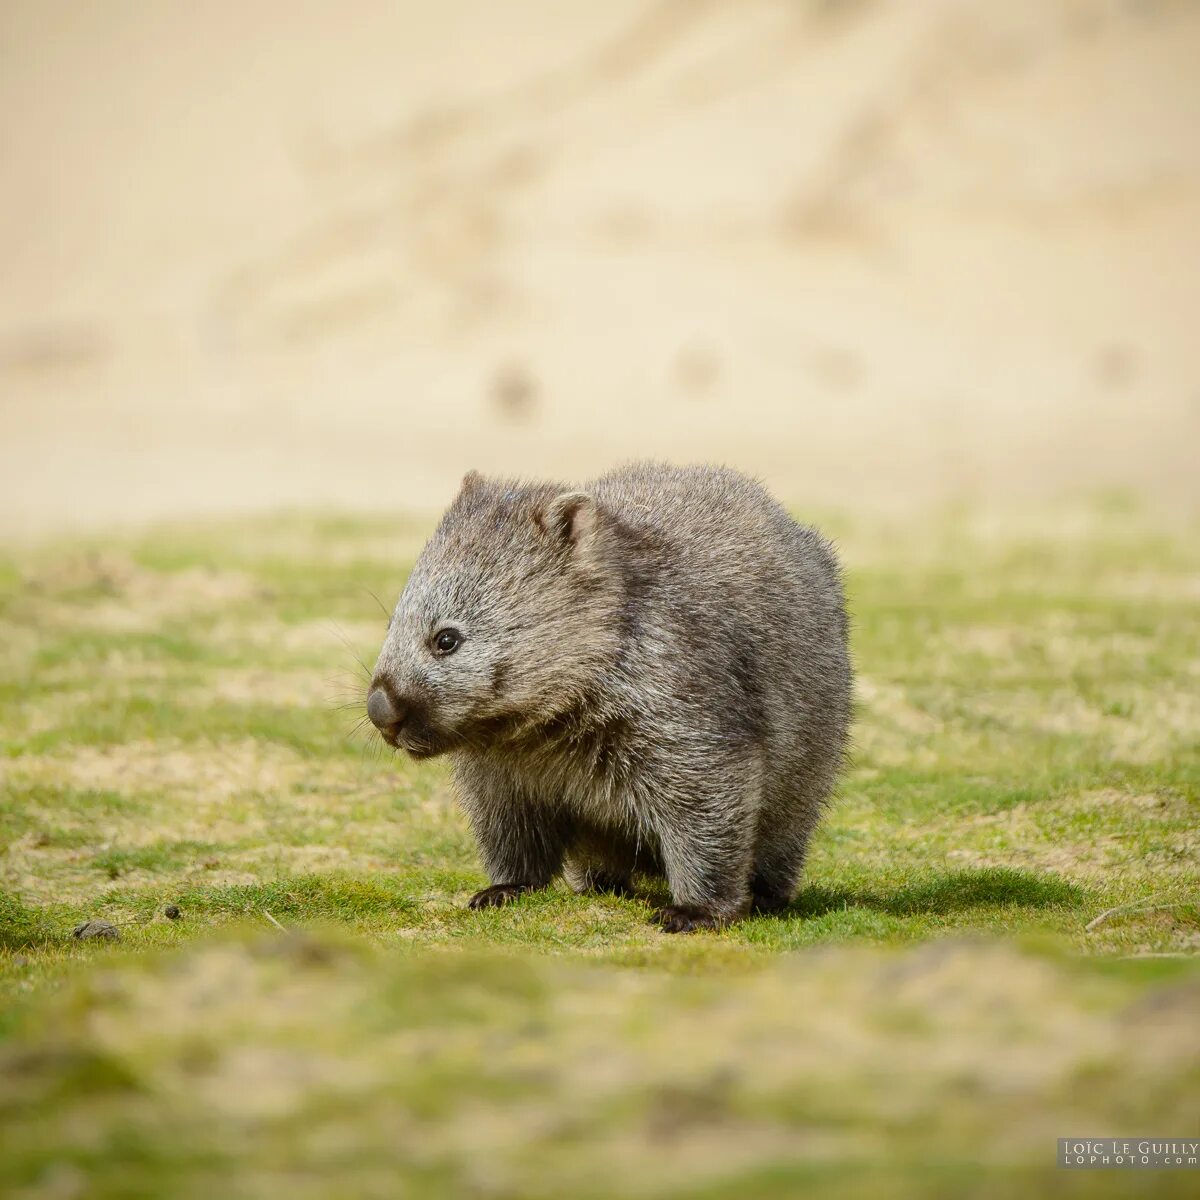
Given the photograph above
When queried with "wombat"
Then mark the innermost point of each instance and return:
(646, 674)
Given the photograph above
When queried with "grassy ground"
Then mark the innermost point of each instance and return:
(944, 999)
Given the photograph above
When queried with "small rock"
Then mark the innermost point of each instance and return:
(172, 913)
(97, 929)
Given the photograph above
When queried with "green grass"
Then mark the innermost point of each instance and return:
(936, 1007)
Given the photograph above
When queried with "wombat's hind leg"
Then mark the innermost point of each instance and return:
(778, 861)
(599, 880)
(766, 898)
(591, 867)
(600, 861)
(705, 845)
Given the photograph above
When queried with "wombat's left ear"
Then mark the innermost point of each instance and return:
(571, 516)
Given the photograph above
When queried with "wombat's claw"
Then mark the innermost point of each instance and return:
(681, 918)
(497, 894)
(614, 885)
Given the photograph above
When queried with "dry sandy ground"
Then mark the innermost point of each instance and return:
(279, 254)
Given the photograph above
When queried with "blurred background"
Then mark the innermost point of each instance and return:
(884, 255)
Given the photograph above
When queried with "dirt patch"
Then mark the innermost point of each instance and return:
(206, 775)
(110, 593)
(1165, 805)
(889, 702)
(289, 689)
(1145, 725)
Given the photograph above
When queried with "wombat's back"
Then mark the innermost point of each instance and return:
(754, 601)
(714, 534)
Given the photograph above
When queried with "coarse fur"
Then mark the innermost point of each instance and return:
(647, 674)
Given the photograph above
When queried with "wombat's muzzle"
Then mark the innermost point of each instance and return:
(403, 722)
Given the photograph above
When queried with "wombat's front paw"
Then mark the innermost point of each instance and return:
(683, 918)
(498, 894)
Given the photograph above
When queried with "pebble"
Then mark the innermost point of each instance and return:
(97, 929)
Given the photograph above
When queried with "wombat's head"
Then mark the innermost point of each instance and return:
(508, 617)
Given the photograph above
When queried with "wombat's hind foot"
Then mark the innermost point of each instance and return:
(499, 894)
(764, 901)
(684, 918)
(612, 882)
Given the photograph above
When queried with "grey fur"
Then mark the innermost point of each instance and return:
(653, 677)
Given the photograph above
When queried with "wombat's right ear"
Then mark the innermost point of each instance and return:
(571, 516)
(470, 481)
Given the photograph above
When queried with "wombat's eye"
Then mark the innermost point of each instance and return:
(447, 641)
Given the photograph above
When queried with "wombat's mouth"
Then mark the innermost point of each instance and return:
(420, 741)
(422, 745)
(420, 749)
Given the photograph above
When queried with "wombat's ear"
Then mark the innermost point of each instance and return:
(470, 481)
(571, 516)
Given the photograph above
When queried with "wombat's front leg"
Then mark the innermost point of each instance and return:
(705, 844)
(521, 842)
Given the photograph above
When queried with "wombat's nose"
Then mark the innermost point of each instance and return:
(383, 713)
